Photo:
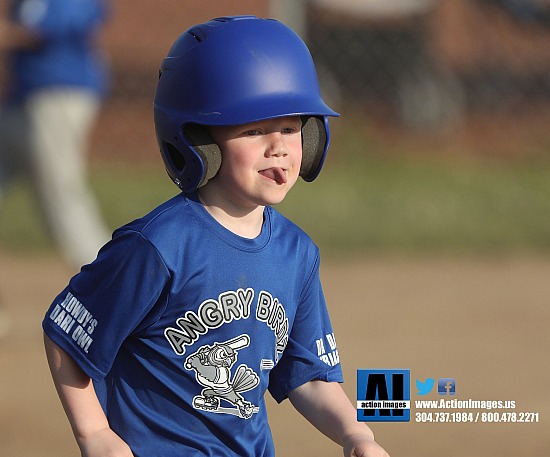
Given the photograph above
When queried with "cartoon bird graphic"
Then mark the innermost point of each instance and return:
(212, 365)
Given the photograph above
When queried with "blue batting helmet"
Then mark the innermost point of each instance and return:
(232, 71)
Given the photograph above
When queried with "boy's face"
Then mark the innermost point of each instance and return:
(260, 161)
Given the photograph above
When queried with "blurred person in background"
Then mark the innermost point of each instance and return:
(56, 80)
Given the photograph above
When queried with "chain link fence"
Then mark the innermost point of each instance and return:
(432, 65)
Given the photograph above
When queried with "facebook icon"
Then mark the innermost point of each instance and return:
(446, 386)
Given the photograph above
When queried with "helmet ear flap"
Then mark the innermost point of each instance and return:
(202, 143)
(314, 146)
(315, 140)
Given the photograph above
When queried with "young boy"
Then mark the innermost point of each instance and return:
(167, 342)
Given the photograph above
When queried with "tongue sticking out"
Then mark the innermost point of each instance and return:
(276, 174)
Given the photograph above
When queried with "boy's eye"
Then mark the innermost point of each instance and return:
(253, 132)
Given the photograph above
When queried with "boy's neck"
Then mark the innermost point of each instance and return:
(245, 222)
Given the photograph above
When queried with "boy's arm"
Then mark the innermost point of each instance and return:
(326, 406)
(76, 392)
(16, 36)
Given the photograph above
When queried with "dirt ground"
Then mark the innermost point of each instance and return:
(482, 322)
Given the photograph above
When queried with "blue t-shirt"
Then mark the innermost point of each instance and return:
(67, 55)
(184, 325)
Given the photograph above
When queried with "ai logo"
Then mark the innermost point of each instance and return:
(383, 395)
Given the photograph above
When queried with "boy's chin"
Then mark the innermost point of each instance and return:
(275, 203)
(275, 199)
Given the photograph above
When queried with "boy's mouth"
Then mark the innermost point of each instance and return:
(275, 173)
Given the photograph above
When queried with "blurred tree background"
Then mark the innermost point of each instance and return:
(443, 143)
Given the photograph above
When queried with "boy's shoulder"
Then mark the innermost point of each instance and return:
(159, 218)
(288, 230)
(284, 223)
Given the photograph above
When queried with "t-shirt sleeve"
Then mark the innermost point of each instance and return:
(108, 301)
(311, 352)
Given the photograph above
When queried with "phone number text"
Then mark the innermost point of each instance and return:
(467, 416)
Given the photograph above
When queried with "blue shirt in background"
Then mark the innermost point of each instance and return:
(68, 55)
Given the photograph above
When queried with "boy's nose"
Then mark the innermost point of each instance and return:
(277, 146)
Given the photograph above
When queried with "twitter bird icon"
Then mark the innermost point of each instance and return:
(425, 387)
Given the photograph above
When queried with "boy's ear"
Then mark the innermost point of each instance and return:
(314, 138)
(202, 143)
